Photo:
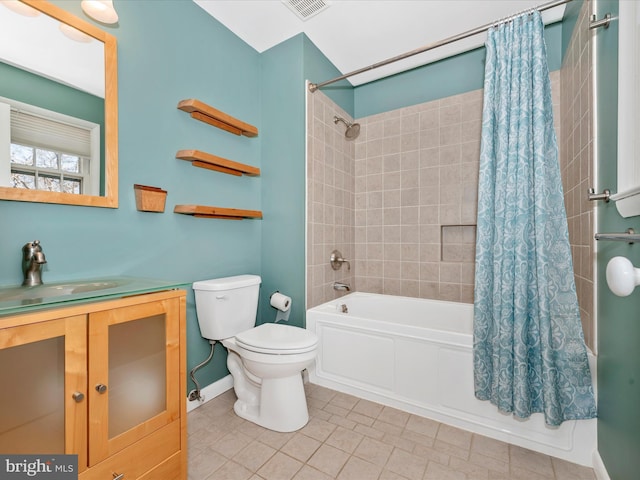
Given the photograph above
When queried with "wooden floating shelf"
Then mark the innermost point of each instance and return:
(203, 211)
(205, 113)
(219, 164)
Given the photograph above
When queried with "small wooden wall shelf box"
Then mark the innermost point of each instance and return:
(150, 199)
(219, 164)
(207, 114)
(204, 211)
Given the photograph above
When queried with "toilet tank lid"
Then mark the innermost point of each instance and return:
(227, 283)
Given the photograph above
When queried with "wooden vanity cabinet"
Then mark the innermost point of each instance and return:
(105, 381)
(43, 368)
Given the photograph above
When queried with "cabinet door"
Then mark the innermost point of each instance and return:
(43, 373)
(134, 380)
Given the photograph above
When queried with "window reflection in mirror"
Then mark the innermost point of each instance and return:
(45, 150)
(58, 107)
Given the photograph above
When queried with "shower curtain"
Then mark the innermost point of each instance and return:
(529, 352)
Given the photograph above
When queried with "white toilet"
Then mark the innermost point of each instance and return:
(265, 361)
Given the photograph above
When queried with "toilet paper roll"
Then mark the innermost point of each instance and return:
(280, 302)
(282, 316)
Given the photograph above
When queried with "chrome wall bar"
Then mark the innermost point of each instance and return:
(603, 22)
(315, 86)
(630, 236)
(605, 195)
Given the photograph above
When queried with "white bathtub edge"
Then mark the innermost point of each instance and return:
(599, 468)
(388, 377)
(578, 455)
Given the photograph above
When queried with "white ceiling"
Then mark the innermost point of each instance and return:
(357, 33)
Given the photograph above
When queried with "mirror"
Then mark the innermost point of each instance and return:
(97, 96)
(627, 197)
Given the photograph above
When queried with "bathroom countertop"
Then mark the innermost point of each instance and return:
(17, 299)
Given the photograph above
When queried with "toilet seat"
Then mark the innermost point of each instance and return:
(276, 339)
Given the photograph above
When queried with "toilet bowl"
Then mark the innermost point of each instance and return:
(269, 385)
(266, 361)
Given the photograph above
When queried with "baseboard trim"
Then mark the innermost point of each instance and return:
(211, 391)
(599, 468)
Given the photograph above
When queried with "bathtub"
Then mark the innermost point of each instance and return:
(416, 355)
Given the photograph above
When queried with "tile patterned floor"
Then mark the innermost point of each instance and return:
(348, 438)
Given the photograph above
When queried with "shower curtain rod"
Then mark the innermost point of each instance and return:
(546, 6)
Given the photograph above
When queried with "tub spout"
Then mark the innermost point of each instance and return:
(341, 286)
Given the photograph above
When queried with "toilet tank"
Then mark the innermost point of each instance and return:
(226, 306)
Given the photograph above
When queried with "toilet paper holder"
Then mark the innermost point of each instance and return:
(282, 304)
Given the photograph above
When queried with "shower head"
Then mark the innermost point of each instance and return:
(353, 129)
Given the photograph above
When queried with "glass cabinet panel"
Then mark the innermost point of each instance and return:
(137, 372)
(133, 371)
(32, 397)
(43, 384)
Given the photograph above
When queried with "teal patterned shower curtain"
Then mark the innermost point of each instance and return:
(529, 352)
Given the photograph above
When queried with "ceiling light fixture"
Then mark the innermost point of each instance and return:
(100, 10)
(20, 8)
(74, 34)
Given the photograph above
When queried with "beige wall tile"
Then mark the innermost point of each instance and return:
(414, 169)
(576, 146)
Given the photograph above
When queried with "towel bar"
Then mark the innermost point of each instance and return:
(629, 236)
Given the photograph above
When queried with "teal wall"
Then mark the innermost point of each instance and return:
(284, 69)
(450, 76)
(27, 87)
(160, 62)
(618, 325)
(283, 177)
(317, 68)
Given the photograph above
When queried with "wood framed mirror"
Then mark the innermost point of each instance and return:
(103, 139)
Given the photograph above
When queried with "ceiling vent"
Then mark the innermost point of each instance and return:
(305, 9)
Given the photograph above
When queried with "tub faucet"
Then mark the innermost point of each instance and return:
(336, 260)
(341, 286)
(32, 260)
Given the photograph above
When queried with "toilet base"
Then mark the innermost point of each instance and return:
(282, 407)
(278, 404)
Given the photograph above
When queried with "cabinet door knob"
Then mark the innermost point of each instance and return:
(101, 388)
(78, 396)
(118, 477)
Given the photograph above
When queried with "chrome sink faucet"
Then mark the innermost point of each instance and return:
(32, 260)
